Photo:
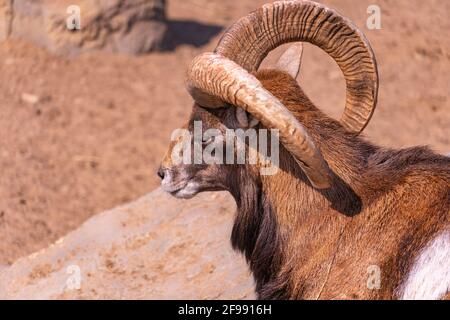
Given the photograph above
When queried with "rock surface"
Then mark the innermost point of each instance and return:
(131, 26)
(157, 247)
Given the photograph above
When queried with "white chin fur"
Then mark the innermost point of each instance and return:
(190, 190)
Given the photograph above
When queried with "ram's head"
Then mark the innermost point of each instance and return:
(231, 94)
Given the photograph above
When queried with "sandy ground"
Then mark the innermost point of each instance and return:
(101, 122)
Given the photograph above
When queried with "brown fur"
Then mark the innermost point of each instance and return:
(303, 243)
(340, 233)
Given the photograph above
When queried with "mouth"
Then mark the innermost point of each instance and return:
(173, 188)
(183, 194)
(181, 190)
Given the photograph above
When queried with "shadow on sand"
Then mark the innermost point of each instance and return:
(189, 32)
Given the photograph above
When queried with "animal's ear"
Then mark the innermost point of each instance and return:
(291, 60)
(245, 119)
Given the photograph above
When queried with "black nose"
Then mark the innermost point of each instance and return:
(160, 173)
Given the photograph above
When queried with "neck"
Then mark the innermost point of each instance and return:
(255, 233)
(287, 229)
(282, 218)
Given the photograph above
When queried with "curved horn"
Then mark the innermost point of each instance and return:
(251, 38)
(213, 75)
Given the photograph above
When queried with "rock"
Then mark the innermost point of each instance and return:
(157, 247)
(131, 26)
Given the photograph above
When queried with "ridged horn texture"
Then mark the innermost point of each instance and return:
(251, 38)
(213, 75)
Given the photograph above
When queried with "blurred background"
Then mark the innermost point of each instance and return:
(86, 115)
